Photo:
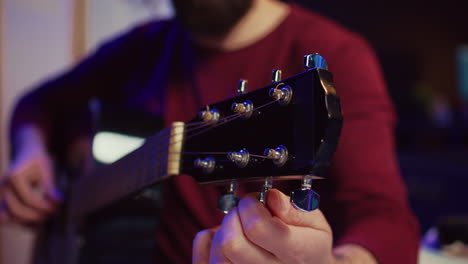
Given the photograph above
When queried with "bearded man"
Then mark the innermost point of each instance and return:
(173, 68)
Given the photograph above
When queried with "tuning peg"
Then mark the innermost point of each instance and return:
(246, 108)
(283, 94)
(242, 87)
(276, 76)
(207, 165)
(240, 158)
(229, 200)
(315, 61)
(279, 155)
(305, 199)
(267, 185)
(209, 115)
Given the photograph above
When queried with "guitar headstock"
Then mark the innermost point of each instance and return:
(286, 130)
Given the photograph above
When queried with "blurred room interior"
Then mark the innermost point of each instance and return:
(422, 46)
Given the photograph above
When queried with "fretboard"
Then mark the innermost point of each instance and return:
(157, 159)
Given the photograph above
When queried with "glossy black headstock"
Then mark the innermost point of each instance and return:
(291, 117)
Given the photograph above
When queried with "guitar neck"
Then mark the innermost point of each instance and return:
(156, 160)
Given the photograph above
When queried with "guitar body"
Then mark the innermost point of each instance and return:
(285, 130)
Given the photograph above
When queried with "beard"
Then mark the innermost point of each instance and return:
(213, 18)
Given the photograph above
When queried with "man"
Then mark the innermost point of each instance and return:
(198, 58)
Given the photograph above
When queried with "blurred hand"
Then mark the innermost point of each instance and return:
(276, 233)
(27, 191)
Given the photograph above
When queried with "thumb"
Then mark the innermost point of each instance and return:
(281, 207)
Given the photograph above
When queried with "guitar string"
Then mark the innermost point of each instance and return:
(207, 123)
(227, 118)
(223, 123)
(207, 153)
(220, 122)
(208, 109)
(215, 153)
(161, 154)
(195, 123)
(203, 124)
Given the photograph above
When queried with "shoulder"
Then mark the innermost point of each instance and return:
(350, 58)
(140, 34)
(325, 36)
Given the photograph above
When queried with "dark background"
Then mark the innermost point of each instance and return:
(416, 43)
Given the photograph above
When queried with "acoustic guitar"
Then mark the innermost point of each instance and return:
(287, 130)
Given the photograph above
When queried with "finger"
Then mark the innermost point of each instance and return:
(202, 245)
(4, 217)
(20, 211)
(32, 197)
(289, 243)
(280, 206)
(230, 243)
(260, 226)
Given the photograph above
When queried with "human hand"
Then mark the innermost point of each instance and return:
(275, 233)
(27, 192)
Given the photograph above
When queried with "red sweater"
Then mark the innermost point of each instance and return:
(364, 198)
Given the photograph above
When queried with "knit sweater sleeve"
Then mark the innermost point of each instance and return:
(62, 100)
(369, 199)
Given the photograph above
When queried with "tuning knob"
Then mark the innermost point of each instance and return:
(240, 158)
(242, 87)
(279, 155)
(315, 61)
(229, 200)
(209, 115)
(246, 108)
(305, 199)
(283, 94)
(267, 185)
(207, 165)
(276, 76)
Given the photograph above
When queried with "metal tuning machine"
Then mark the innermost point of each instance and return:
(246, 108)
(209, 115)
(315, 61)
(240, 158)
(276, 76)
(267, 185)
(305, 199)
(279, 155)
(242, 87)
(207, 165)
(282, 93)
(229, 200)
